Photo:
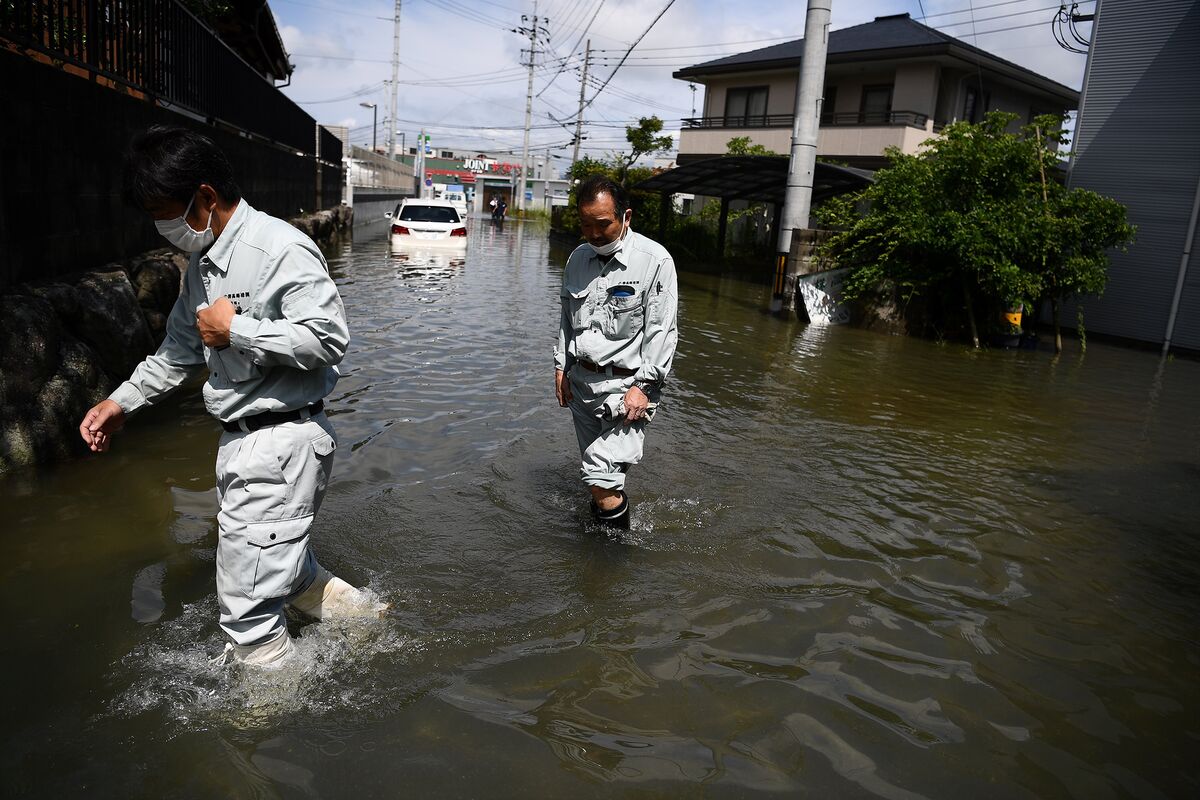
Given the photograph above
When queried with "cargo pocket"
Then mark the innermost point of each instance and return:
(279, 552)
(308, 468)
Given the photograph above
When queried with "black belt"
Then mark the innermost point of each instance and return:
(588, 365)
(268, 418)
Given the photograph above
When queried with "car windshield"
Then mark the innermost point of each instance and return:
(411, 213)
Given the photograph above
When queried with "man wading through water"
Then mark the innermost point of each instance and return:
(616, 339)
(259, 310)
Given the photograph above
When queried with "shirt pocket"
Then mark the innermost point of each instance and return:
(580, 305)
(625, 316)
(233, 365)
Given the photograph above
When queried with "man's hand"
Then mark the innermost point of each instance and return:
(99, 424)
(213, 322)
(635, 405)
(562, 388)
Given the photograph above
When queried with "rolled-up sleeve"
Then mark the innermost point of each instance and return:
(179, 357)
(312, 332)
(661, 333)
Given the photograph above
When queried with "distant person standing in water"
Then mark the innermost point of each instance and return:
(260, 312)
(616, 341)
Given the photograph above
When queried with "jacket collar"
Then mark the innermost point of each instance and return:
(222, 249)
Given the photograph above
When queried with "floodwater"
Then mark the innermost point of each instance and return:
(860, 566)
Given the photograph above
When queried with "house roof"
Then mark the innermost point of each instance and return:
(896, 36)
(249, 28)
(755, 178)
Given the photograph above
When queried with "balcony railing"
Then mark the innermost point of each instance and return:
(909, 118)
(158, 49)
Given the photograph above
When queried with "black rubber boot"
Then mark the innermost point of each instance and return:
(616, 518)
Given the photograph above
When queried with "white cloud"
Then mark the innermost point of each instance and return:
(487, 109)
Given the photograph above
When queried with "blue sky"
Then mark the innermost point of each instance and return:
(342, 50)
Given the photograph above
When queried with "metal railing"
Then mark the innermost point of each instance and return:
(159, 50)
(910, 118)
(371, 170)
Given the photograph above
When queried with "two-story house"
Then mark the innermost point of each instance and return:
(891, 82)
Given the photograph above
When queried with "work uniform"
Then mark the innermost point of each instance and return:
(285, 340)
(617, 326)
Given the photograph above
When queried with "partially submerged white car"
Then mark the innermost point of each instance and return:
(428, 223)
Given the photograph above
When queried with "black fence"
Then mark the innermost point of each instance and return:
(910, 118)
(157, 49)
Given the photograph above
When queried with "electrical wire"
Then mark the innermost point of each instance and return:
(574, 48)
(630, 50)
(360, 93)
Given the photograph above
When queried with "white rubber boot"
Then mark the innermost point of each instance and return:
(266, 655)
(331, 597)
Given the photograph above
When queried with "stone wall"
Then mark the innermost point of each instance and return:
(67, 343)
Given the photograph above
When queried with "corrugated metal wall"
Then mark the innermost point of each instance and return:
(1138, 141)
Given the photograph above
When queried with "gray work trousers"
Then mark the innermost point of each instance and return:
(607, 447)
(270, 484)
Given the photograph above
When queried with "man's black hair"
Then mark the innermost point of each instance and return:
(602, 184)
(169, 163)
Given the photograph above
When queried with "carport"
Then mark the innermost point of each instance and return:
(751, 178)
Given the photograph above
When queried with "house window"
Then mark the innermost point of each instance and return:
(746, 107)
(828, 104)
(973, 111)
(876, 105)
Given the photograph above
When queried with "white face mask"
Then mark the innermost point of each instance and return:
(184, 236)
(612, 247)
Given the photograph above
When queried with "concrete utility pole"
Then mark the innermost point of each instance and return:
(533, 33)
(419, 164)
(798, 199)
(587, 55)
(391, 142)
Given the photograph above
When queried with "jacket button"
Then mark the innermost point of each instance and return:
(272, 536)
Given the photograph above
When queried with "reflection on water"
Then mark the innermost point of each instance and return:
(859, 565)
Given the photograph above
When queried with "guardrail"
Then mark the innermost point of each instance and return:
(371, 170)
(910, 118)
(159, 50)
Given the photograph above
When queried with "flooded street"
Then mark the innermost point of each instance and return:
(860, 565)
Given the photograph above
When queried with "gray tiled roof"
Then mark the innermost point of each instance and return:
(898, 32)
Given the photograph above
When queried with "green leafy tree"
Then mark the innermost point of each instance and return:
(1078, 230)
(643, 140)
(740, 146)
(974, 216)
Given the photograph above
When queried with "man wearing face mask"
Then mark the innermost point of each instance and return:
(616, 340)
(260, 312)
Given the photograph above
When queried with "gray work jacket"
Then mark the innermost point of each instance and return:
(289, 332)
(638, 332)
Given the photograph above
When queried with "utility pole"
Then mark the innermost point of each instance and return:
(810, 86)
(533, 37)
(587, 55)
(419, 164)
(391, 142)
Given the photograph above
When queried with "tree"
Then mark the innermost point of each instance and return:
(974, 216)
(643, 140)
(1079, 227)
(740, 146)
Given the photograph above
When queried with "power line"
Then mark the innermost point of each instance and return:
(574, 48)
(360, 93)
(630, 50)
